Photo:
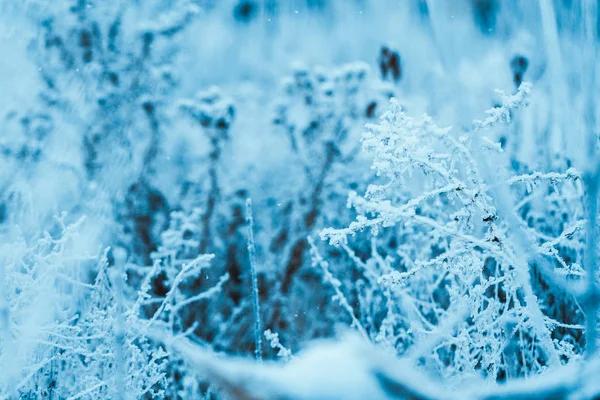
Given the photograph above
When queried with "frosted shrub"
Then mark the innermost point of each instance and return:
(320, 106)
(59, 333)
(178, 278)
(111, 67)
(214, 113)
(64, 333)
(106, 81)
(320, 112)
(106, 355)
(181, 294)
(456, 289)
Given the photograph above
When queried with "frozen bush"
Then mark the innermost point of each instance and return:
(460, 294)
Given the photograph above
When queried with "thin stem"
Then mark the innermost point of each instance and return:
(255, 305)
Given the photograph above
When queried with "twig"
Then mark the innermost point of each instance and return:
(255, 305)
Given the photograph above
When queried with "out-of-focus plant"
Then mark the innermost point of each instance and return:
(319, 111)
(67, 334)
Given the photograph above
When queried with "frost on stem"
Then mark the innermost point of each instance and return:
(501, 114)
(255, 304)
(282, 351)
(318, 261)
(215, 113)
(88, 337)
(70, 352)
(319, 111)
(454, 247)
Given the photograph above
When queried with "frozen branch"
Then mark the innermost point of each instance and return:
(255, 305)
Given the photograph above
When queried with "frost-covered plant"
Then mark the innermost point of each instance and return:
(107, 74)
(67, 334)
(320, 107)
(319, 111)
(105, 355)
(458, 289)
(115, 75)
(30, 274)
(180, 296)
(283, 352)
(60, 335)
(214, 112)
(171, 290)
(274, 342)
